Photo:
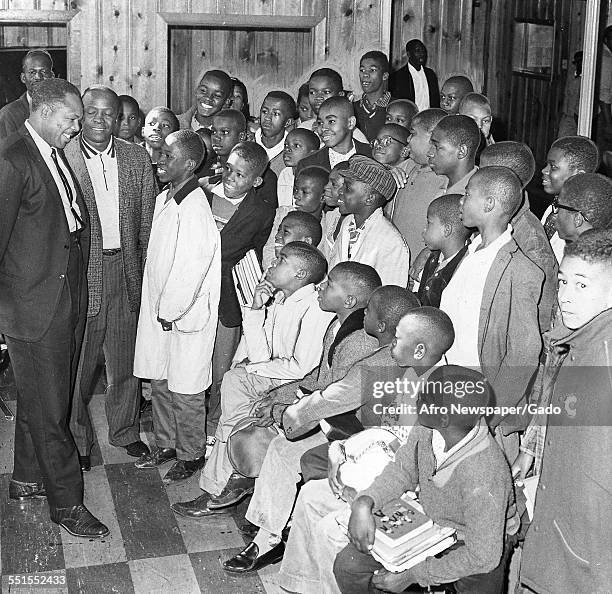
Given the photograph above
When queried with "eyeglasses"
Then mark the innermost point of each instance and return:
(386, 141)
(556, 207)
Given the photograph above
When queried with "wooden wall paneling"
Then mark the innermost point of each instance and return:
(407, 24)
(16, 34)
(480, 45)
(141, 79)
(114, 50)
(432, 31)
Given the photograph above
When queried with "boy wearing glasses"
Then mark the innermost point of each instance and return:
(585, 202)
(371, 109)
(390, 147)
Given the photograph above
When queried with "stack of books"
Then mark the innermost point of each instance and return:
(247, 274)
(405, 536)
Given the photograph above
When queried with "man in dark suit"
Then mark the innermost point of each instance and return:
(36, 66)
(44, 246)
(119, 189)
(415, 81)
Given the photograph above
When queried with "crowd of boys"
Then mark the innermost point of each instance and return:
(397, 243)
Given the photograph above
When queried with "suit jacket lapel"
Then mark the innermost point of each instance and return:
(245, 210)
(123, 183)
(39, 163)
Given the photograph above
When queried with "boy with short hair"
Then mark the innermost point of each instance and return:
(370, 110)
(464, 482)
(304, 109)
(421, 338)
(452, 151)
(409, 207)
(129, 123)
(445, 236)
(336, 120)
(297, 226)
(308, 190)
(178, 317)
(493, 296)
(159, 122)
(283, 338)
(453, 91)
(213, 91)
(299, 143)
(401, 111)
(390, 147)
(323, 84)
(477, 107)
(567, 157)
(276, 117)
(527, 230)
(366, 236)
(567, 547)
(345, 293)
(585, 202)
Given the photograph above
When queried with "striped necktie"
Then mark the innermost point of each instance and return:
(67, 187)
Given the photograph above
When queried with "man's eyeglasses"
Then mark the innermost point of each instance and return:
(556, 207)
(386, 141)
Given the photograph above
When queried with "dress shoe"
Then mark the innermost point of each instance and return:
(184, 469)
(248, 559)
(156, 458)
(237, 488)
(85, 462)
(26, 491)
(138, 449)
(196, 508)
(78, 521)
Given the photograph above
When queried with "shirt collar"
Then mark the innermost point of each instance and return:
(351, 152)
(380, 102)
(504, 238)
(413, 70)
(438, 444)
(299, 295)
(375, 216)
(89, 151)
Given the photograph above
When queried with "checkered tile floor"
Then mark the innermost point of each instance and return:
(149, 550)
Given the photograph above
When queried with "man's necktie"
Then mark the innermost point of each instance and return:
(67, 187)
(549, 225)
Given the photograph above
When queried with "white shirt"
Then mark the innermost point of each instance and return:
(421, 88)
(284, 187)
(102, 169)
(556, 243)
(463, 295)
(45, 150)
(276, 150)
(335, 157)
(274, 338)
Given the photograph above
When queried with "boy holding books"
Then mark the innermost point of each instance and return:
(178, 317)
(464, 482)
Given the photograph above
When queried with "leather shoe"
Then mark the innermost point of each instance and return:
(196, 508)
(184, 469)
(137, 449)
(85, 462)
(248, 559)
(156, 458)
(237, 488)
(25, 491)
(78, 521)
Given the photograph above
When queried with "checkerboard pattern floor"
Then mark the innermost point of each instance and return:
(149, 550)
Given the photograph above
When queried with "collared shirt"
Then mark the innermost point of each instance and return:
(195, 125)
(276, 344)
(556, 243)
(459, 186)
(421, 88)
(370, 108)
(463, 295)
(223, 208)
(45, 150)
(284, 187)
(277, 149)
(438, 445)
(103, 173)
(336, 157)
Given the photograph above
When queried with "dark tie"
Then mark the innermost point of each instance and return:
(549, 224)
(67, 187)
